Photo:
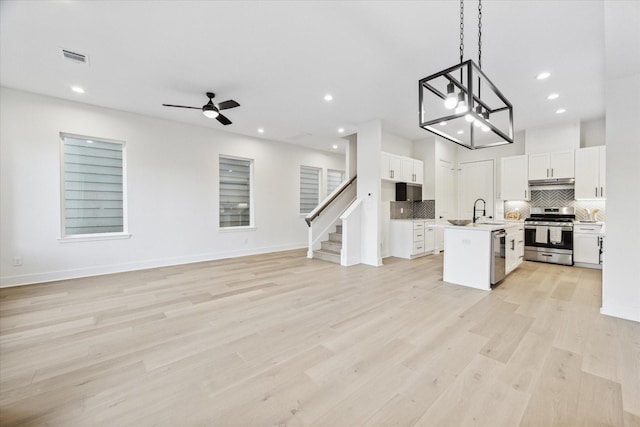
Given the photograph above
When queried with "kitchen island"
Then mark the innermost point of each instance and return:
(468, 253)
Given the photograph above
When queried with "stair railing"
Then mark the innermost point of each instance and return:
(326, 215)
(327, 202)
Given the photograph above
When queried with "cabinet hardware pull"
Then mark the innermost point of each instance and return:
(551, 172)
(596, 191)
(601, 191)
(547, 172)
(513, 244)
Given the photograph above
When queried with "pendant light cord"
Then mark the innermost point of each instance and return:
(480, 33)
(461, 30)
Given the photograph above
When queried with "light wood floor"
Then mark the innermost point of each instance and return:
(280, 340)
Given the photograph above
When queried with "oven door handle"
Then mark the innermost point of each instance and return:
(533, 227)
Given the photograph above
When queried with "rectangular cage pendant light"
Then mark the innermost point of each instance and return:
(473, 121)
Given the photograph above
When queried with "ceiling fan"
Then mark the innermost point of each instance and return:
(212, 110)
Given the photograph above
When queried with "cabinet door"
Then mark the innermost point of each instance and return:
(385, 166)
(395, 168)
(539, 166)
(407, 169)
(603, 167)
(418, 171)
(586, 248)
(587, 173)
(429, 239)
(562, 164)
(514, 181)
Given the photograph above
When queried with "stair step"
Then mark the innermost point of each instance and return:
(325, 255)
(339, 228)
(335, 237)
(331, 246)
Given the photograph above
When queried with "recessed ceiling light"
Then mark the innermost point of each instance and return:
(543, 75)
(89, 141)
(560, 111)
(77, 89)
(340, 130)
(443, 123)
(553, 96)
(328, 97)
(334, 146)
(460, 132)
(260, 130)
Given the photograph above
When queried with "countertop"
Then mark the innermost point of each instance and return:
(498, 225)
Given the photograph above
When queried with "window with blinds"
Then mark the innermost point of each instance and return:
(93, 190)
(236, 182)
(309, 188)
(334, 179)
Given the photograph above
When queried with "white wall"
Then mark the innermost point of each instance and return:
(172, 191)
(592, 133)
(621, 270)
(369, 189)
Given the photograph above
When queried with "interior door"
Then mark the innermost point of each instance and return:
(445, 198)
(476, 181)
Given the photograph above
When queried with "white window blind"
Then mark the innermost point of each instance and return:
(93, 190)
(309, 188)
(334, 179)
(236, 179)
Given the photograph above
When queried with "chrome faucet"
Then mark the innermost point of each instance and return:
(484, 209)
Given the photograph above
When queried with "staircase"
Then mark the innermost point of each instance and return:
(330, 249)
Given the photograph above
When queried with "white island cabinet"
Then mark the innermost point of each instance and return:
(468, 254)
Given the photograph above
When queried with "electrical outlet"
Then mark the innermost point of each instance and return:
(17, 261)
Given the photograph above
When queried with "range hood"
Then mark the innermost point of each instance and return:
(556, 183)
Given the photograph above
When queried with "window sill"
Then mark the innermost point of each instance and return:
(94, 237)
(232, 229)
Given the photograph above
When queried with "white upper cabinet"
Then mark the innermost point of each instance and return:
(390, 167)
(590, 173)
(401, 169)
(412, 170)
(559, 164)
(514, 178)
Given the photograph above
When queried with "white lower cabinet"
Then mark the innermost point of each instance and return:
(514, 248)
(586, 245)
(411, 238)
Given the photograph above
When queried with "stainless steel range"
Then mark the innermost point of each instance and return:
(548, 235)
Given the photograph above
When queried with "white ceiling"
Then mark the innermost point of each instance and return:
(279, 58)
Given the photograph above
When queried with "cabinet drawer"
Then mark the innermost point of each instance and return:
(418, 247)
(418, 235)
(587, 228)
(418, 225)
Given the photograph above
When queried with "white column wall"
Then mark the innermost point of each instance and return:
(172, 182)
(369, 189)
(621, 269)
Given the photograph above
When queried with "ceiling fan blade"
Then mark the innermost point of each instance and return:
(222, 119)
(228, 104)
(182, 106)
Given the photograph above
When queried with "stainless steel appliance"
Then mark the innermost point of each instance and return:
(498, 255)
(548, 235)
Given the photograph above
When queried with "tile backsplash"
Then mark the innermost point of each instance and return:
(556, 198)
(406, 210)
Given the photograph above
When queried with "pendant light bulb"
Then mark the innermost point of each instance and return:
(452, 100)
(469, 118)
(462, 104)
(477, 122)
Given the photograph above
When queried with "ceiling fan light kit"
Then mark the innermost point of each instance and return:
(480, 110)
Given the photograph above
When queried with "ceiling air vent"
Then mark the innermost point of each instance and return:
(75, 57)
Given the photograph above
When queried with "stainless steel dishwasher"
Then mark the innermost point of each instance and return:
(498, 264)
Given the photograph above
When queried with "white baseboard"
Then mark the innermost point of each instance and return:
(50, 276)
(627, 312)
